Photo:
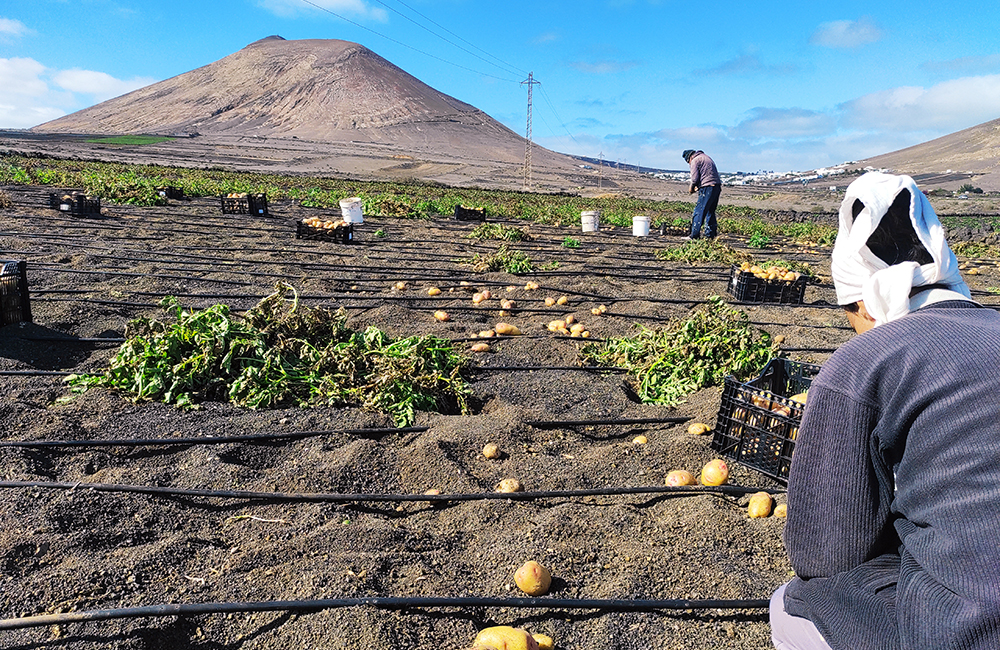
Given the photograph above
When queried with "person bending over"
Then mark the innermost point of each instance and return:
(706, 181)
(894, 486)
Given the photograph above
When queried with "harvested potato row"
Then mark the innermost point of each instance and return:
(770, 272)
(325, 224)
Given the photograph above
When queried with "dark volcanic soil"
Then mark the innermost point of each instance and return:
(67, 550)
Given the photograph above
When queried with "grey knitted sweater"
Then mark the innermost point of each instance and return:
(894, 490)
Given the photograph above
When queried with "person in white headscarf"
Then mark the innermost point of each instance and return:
(871, 259)
(894, 487)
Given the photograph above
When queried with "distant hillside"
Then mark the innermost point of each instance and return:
(968, 156)
(325, 91)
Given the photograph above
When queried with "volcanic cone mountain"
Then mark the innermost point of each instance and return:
(971, 155)
(321, 91)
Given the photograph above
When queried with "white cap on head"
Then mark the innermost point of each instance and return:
(859, 274)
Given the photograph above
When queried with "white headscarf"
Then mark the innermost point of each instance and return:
(859, 274)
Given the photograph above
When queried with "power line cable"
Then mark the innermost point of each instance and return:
(473, 45)
(545, 95)
(389, 38)
(505, 67)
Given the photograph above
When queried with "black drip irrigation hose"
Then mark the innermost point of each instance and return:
(210, 440)
(328, 497)
(559, 424)
(594, 369)
(187, 278)
(411, 602)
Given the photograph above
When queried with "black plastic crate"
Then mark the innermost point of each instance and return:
(463, 213)
(15, 306)
(170, 192)
(746, 287)
(245, 204)
(342, 234)
(74, 203)
(757, 422)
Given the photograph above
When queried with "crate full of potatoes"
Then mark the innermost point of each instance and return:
(463, 213)
(74, 202)
(758, 420)
(767, 283)
(338, 231)
(244, 203)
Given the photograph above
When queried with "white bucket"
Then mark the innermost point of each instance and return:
(350, 209)
(640, 225)
(591, 220)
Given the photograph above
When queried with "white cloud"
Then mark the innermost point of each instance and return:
(784, 123)
(100, 85)
(965, 64)
(846, 34)
(748, 64)
(11, 27)
(293, 8)
(22, 77)
(33, 94)
(949, 106)
(603, 67)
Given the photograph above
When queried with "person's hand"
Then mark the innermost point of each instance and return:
(691, 189)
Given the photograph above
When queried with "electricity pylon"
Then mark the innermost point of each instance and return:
(527, 145)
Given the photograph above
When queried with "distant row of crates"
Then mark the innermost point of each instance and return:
(74, 202)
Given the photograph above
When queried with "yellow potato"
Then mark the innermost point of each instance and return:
(545, 642)
(400, 286)
(481, 347)
(485, 334)
(509, 485)
(603, 309)
(549, 302)
(433, 291)
(781, 510)
(562, 300)
(760, 505)
(715, 472)
(570, 319)
(478, 298)
(491, 451)
(640, 440)
(442, 315)
(577, 327)
(680, 477)
(533, 579)
(556, 325)
(506, 329)
(504, 637)
(596, 312)
(698, 429)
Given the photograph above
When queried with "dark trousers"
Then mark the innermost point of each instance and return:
(704, 211)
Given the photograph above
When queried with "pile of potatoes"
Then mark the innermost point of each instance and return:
(323, 224)
(770, 272)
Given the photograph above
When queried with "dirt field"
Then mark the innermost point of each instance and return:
(69, 550)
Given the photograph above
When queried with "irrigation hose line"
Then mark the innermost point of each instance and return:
(556, 424)
(208, 440)
(194, 609)
(328, 497)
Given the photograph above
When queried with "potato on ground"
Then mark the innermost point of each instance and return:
(533, 579)
(504, 637)
(680, 477)
(715, 472)
(760, 505)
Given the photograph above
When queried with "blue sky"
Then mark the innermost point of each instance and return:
(776, 86)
